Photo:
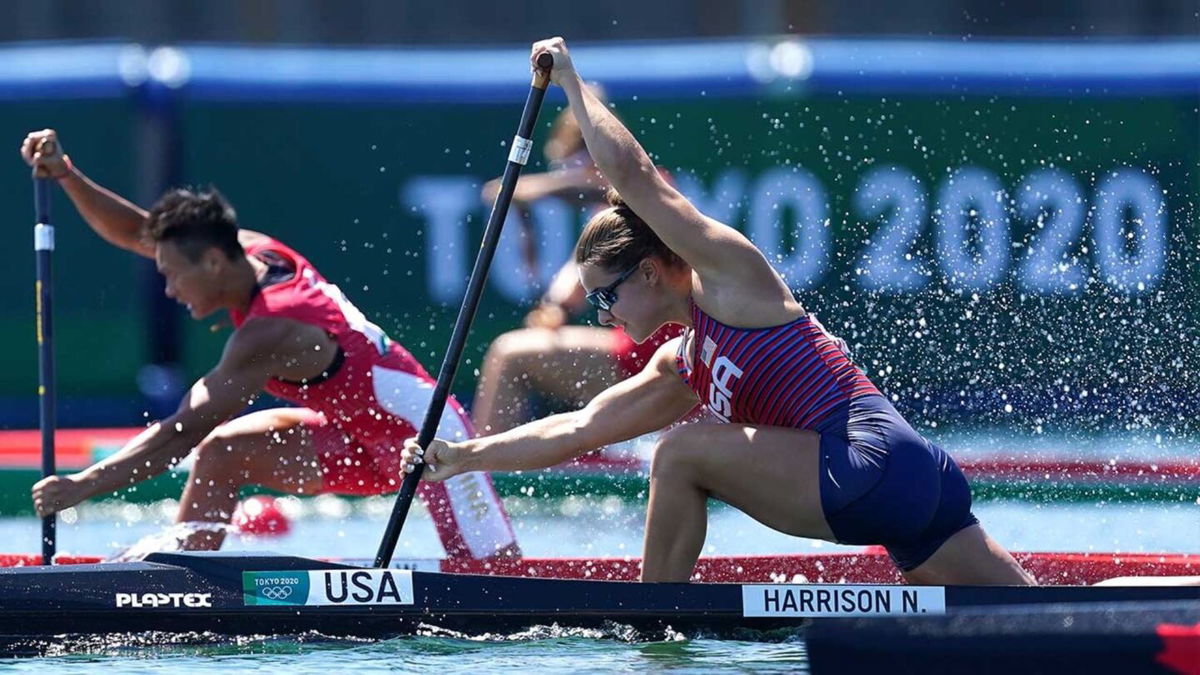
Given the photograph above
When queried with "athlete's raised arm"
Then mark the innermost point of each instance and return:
(259, 349)
(575, 183)
(646, 402)
(113, 217)
(714, 250)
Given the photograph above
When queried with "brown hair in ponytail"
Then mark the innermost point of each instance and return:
(617, 238)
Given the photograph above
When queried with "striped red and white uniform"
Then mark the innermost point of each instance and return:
(794, 375)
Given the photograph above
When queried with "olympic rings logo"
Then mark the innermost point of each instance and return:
(277, 592)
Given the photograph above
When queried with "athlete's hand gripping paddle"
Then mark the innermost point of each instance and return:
(517, 156)
(43, 244)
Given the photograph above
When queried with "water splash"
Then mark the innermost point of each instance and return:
(172, 539)
(609, 630)
(159, 644)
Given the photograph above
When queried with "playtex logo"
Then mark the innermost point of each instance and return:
(155, 600)
(328, 587)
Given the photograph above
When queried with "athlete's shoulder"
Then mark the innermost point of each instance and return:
(256, 340)
(271, 333)
(252, 238)
(256, 243)
(266, 330)
(663, 360)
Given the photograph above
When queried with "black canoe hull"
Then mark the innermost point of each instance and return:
(214, 593)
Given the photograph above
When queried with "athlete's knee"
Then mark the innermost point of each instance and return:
(516, 347)
(217, 454)
(678, 452)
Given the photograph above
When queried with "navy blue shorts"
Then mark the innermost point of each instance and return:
(882, 483)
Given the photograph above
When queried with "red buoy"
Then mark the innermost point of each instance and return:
(260, 515)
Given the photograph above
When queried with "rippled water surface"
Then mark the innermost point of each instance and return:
(335, 527)
(540, 649)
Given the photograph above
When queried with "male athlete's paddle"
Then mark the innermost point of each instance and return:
(43, 245)
(517, 156)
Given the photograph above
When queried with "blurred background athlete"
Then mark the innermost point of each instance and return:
(549, 358)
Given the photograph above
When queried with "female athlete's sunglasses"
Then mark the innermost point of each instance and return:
(605, 297)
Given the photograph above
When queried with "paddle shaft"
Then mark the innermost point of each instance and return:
(517, 156)
(43, 244)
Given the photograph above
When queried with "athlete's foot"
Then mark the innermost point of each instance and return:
(204, 536)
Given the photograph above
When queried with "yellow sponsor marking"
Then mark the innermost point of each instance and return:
(38, 302)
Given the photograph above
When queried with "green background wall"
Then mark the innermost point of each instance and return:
(381, 193)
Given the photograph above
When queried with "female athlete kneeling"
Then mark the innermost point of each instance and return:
(809, 446)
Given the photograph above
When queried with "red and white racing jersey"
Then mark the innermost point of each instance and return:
(375, 394)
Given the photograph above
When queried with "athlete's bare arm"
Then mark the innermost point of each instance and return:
(581, 183)
(116, 219)
(260, 349)
(646, 402)
(740, 278)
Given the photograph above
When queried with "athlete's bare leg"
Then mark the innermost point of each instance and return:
(970, 557)
(269, 448)
(571, 364)
(770, 473)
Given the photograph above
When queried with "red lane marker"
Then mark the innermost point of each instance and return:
(1017, 469)
(27, 559)
(1181, 648)
(260, 515)
(75, 447)
(1068, 569)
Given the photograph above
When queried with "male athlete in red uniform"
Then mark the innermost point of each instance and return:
(297, 337)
